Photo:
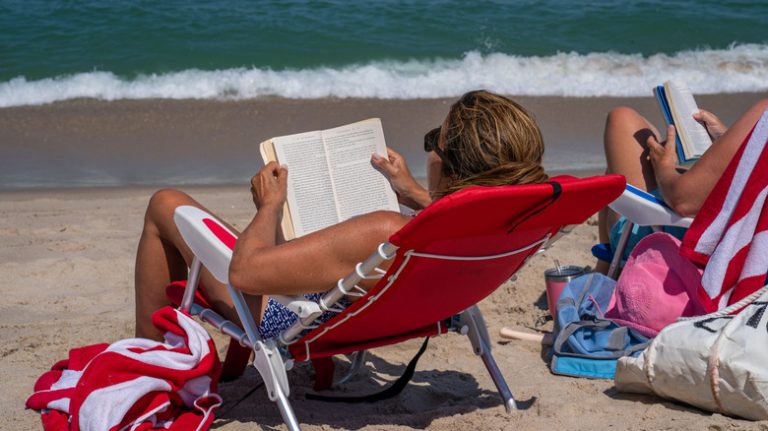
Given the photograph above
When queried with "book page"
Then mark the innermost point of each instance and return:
(310, 192)
(359, 187)
(693, 134)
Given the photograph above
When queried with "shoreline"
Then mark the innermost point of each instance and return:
(33, 192)
(160, 142)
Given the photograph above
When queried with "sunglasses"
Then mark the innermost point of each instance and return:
(431, 139)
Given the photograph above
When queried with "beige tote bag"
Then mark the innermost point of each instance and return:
(717, 362)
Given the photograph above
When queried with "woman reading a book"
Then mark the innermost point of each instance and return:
(633, 149)
(485, 140)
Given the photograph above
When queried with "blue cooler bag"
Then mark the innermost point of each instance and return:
(586, 345)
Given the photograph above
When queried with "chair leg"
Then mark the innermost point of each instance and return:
(267, 361)
(473, 325)
(498, 378)
(358, 360)
(286, 411)
(613, 270)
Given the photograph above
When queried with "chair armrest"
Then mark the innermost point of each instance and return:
(299, 305)
(210, 241)
(644, 209)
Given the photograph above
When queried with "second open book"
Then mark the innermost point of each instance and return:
(330, 176)
(678, 106)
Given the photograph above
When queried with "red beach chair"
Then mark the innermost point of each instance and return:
(448, 258)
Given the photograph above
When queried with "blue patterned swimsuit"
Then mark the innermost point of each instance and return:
(277, 317)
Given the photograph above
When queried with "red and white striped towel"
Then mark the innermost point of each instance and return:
(730, 233)
(135, 384)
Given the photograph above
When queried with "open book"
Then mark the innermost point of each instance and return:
(330, 176)
(677, 106)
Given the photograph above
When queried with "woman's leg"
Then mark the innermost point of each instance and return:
(163, 256)
(626, 132)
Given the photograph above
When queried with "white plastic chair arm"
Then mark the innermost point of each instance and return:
(212, 252)
(644, 209)
(299, 305)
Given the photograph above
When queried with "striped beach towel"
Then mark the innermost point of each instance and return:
(134, 384)
(730, 233)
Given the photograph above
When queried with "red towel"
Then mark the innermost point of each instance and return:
(135, 384)
(730, 233)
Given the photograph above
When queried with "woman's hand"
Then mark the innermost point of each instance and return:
(663, 156)
(409, 192)
(269, 187)
(714, 126)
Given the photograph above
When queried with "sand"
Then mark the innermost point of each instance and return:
(66, 264)
(67, 256)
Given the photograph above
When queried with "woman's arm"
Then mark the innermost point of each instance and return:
(409, 192)
(686, 192)
(312, 263)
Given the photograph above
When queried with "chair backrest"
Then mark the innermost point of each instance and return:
(455, 253)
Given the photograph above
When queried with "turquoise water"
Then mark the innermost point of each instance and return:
(54, 50)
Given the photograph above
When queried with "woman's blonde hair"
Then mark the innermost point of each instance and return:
(489, 140)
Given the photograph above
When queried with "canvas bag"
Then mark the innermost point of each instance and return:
(586, 344)
(717, 362)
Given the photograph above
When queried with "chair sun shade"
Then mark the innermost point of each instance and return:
(448, 258)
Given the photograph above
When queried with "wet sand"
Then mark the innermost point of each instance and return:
(167, 142)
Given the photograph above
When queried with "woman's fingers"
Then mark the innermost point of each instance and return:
(383, 164)
(270, 184)
(671, 140)
(662, 153)
(652, 144)
(282, 175)
(707, 117)
(715, 127)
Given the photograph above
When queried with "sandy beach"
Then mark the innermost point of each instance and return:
(67, 256)
(67, 266)
(104, 103)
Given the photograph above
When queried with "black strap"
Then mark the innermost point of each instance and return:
(389, 392)
(557, 190)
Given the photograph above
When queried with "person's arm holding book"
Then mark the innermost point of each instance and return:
(686, 192)
(311, 263)
(409, 191)
(269, 190)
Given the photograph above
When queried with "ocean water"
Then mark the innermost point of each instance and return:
(235, 49)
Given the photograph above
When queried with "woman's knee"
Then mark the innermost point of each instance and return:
(623, 115)
(624, 125)
(164, 202)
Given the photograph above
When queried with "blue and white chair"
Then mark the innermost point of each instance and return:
(640, 208)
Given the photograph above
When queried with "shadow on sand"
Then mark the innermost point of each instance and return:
(430, 395)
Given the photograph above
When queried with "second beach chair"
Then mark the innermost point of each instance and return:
(448, 258)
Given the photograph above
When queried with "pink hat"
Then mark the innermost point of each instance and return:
(656, 286)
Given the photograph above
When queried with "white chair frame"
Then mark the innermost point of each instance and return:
(642, 209)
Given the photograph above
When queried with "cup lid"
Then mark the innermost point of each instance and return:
(565, 271)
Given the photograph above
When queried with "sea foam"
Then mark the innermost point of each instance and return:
(740, 68)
